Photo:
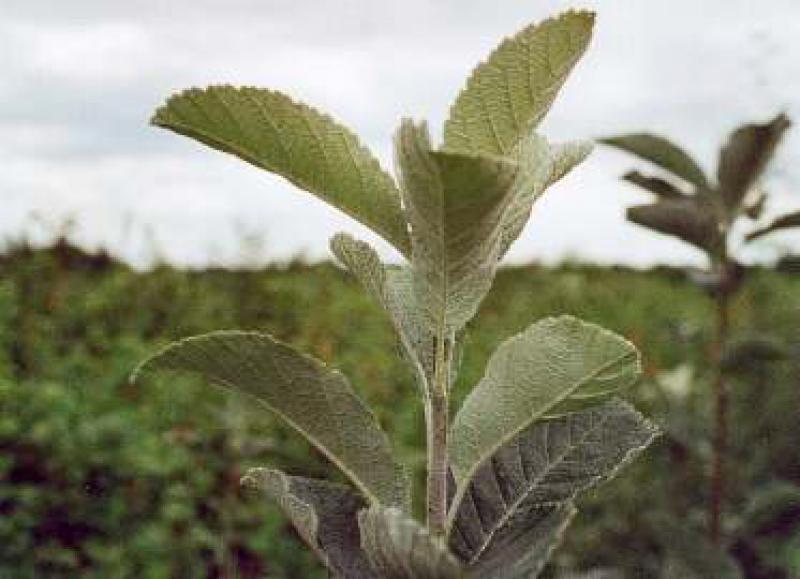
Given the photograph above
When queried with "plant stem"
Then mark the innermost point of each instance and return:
(437, 440)
(720, 394)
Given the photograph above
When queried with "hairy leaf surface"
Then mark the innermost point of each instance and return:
(682, 218)
(455, 205)
(400, 548)
(546, 464)
(663, 153)
(271, 131)
(508, 95)
(324, 514)
(745, 156)
(393, 289)
(316, 401)
(555, 366)
(539, 166)
(783, 222)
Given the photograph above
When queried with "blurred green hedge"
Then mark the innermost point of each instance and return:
(100, 478)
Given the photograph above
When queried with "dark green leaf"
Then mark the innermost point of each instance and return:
(325, 516)
(686, 219)
(660, 187)
(783, 222)
(662, 153)
(745, 156)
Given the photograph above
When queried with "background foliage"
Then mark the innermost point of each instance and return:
(105, 479)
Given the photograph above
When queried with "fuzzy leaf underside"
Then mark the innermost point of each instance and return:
(400, 548)
(455, 205)
(393, 289)
(539, 166)
(681, 218)
(660, 187)
(508, 95)
(745, 156)
(324, 514)
(544, 466)
(554, 367)
(311, 150)
(318, 402)
(783, 222)
(533, 534)
(663, 153)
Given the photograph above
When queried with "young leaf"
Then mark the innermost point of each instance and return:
(783, 222)
(546, 464)
(508, 95)
(525, 545)
(393, 289)
(318, 402)
(311, 150)
(745, 156)
(662, 153)
(555, 366)
(539, 166)
(399, 548)
(683, 218)
(656, 185)
(324, 514)
(455, 205)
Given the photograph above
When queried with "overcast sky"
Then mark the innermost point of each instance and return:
(81, 78)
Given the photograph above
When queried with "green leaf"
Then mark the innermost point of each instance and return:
(311, 150)
(556, 365)
(783, 222)
(750, 353)
(455, 205)
(539, 166)
(656, 185)
(662, 153)
(685, 219)
(545, 465)
(521, 553)
(324, 514)
(508, 95)
(400, 548)
(745, 156)
(393, 289)
(316, 401)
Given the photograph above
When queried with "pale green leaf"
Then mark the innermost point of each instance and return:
(556, 365)
(783, 222)
(745, 156)
(400, 548)
(685, 219)
(318, 402)
(508, 95)
(455, 205)
(539, 166)
(310, 149)
(546, 464)
(324, 514)
(663, 153)
(393, 289)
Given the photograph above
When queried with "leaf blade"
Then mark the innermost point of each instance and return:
(271, 131)
(536, 374)
(787, 221)
(324, 514)
(547, 464)
(508, 94)
(663, 153)
(316, 401)
(399, 548)
(685, 219)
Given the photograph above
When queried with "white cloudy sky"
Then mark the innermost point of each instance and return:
(80, 79)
